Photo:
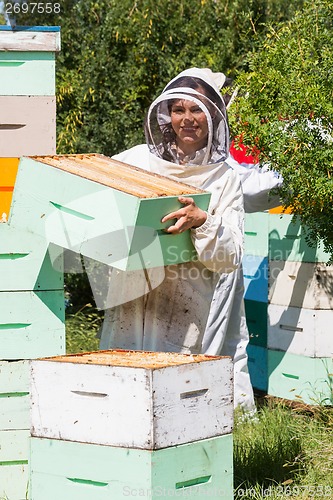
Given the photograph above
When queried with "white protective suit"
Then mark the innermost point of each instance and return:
(198, 307)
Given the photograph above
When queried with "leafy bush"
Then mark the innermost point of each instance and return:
(284, 109)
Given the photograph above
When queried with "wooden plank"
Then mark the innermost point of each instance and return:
(31, 324)
(27, 125)
(256, 320)
(27, 73)
(64, 469)
(287, 241)
(256, 234)
(27, 262)
(255, 270)
(70, 210)
(111, 172)
(27, 40)
(258, 366)
(133, 405)
(301, 284)
(300, 378)
(300, 331)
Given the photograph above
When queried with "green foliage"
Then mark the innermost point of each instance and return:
(284, 108)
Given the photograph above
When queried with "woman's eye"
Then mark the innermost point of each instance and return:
(177, 111)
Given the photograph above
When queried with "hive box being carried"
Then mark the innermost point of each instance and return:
(104, 209)
(132, 399)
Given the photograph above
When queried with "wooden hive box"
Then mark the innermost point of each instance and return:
(8, 171)
(27, 262)
(257, 364)
(255, 269)
(306, 332)
(32, 324)
(80, 471)
(301, 284)
(132, 399)
(287, 241)
(27, 125)
(14, 429)
(104, 209)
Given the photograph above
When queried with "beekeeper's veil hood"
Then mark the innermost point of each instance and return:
(199, 85)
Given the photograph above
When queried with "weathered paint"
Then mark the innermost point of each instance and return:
(63, 469)
(295, 377)
(27, 73)
(287, 241)
(27, 125)
(32, 324)
(27, 262)
(133, 406)
(255, 270)
(29, 40)
(14, 395)
(258, 366)
(300, 331)
(301, 284)
(256, 234)
(96, 220)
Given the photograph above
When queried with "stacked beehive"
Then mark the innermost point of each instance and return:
(31, 290)
(255, 268)
(300, 315)
(103, 209)
(130, 423)
(296, 360)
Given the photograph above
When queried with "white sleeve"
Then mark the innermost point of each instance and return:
(257, 182)
(219, 241)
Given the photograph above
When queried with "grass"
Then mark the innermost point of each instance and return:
(286, 451)
(82, 327)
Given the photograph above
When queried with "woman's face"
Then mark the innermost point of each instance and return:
(189, 122)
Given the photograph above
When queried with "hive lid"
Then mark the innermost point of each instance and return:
(134, 359)
(119, 175)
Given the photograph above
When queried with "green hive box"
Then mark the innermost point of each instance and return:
(27, 73)
(80, 471)
(14, 429)
(287, 241)
(256, 234)
(103, 209)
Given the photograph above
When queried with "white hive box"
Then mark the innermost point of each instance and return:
(301, 284)
(104, 209)
(307, 332)
(132, 398)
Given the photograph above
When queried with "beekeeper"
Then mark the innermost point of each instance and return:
(187, 139)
